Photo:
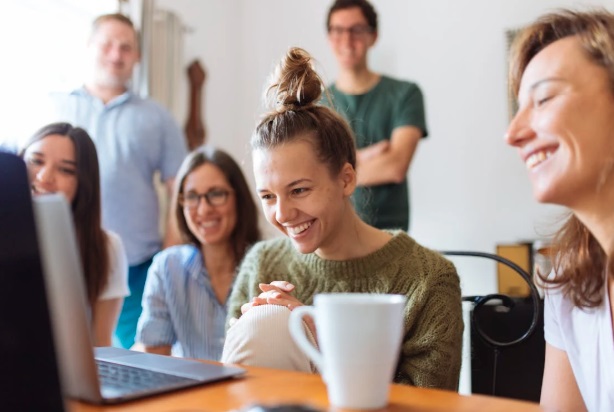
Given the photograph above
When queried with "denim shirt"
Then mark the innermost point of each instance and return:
(180, 307)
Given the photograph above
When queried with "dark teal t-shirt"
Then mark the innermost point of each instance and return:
(373, 116)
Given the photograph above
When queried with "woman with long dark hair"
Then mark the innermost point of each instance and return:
(62, 159)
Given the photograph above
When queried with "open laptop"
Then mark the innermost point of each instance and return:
(29, 376)
(103, 375)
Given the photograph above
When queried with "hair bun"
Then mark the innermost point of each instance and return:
(295, 83)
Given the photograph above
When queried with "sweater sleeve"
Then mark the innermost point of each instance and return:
(432, 345)
(246, 283)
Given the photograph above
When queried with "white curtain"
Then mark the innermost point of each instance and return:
(160, 72)
(166, 60)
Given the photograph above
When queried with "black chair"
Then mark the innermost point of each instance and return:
(508, 347)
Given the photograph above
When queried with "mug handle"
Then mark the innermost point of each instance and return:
(297, 331)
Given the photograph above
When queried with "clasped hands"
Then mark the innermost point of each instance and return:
(278, 293)
(274, 293)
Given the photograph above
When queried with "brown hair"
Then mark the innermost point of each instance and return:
(580, 263)
(86, 209)
(246, 231)
(292, 97)
(365, 7)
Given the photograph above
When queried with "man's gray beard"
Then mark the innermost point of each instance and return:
(114, 82)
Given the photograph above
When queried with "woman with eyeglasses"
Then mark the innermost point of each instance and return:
(62, 159)
(187, 287)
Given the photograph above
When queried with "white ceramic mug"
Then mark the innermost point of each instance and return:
(359, 336)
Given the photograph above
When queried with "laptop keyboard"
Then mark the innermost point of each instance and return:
(131, 379)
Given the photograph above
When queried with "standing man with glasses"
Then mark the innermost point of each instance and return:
(135, 138)
(386, 115)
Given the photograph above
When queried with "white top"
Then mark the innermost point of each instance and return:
(586, 336)
(117, 283)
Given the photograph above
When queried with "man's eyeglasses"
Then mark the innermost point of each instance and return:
(358, 30)
(214, 197)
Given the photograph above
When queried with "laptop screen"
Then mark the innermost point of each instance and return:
(27, 352)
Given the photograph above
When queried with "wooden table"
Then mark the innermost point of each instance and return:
(272, 386)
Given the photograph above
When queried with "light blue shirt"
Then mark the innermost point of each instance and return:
(135, 138)
(180, 306)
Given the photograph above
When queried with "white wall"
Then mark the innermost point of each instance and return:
(39, 55)
(469, 191)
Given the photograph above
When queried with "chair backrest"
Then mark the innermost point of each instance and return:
(464, 383)
(506, 340)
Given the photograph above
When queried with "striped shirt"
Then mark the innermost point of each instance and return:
(180, 307)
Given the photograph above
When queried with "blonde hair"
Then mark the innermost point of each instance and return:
(580, 263)
(118, 17)
(594, 29)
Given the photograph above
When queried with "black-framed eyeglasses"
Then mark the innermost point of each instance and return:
(214, 197)
(358, 30)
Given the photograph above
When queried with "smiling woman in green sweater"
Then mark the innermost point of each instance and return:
(304, 163)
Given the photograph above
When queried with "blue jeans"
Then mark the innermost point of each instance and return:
(131, 310)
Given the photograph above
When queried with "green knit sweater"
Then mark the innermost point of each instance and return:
(431, 349)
